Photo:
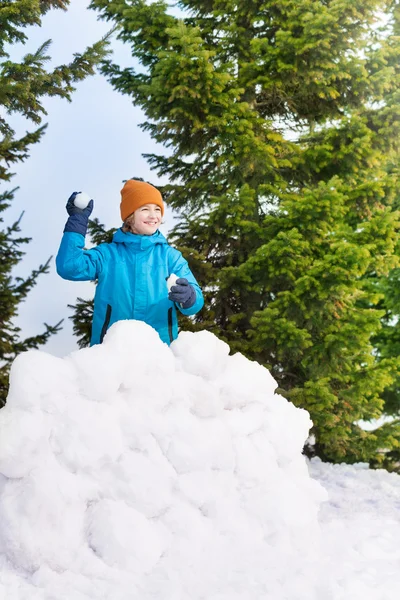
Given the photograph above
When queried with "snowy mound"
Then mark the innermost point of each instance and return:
(134, 470)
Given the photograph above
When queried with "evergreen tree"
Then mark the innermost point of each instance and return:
(282, 128)
(23, 85)
(387, 344)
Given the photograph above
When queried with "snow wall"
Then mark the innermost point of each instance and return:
(132, 470)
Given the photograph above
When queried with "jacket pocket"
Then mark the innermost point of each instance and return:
(171, 339)
(106, 323)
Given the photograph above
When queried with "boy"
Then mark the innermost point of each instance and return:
(132, 270)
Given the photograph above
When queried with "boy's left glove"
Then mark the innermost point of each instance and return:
(78, 217)
(183, 293)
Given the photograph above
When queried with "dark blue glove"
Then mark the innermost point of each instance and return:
(78, 217)
(183, 293)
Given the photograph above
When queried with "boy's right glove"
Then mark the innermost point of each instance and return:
(78, 217)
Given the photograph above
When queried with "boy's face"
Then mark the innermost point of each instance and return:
(147, 219)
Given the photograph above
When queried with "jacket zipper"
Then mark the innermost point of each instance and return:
(171, 339)
(106, 323)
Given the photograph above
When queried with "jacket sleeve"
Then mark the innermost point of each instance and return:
(76, 264)
(180, 268)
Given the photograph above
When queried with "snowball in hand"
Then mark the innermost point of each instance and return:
(171, 281)
(82, 200)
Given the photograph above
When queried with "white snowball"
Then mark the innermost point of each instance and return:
(171, 281)
(82, 200)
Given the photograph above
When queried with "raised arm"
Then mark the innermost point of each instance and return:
(72, 261)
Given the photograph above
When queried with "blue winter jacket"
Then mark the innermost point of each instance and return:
(132, 273)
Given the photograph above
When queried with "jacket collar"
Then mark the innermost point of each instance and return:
(139, 241)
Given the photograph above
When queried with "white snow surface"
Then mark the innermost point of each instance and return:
(132, 470)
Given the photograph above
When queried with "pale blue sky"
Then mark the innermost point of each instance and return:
(90, 145)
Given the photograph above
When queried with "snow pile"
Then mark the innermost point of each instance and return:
(134, 470)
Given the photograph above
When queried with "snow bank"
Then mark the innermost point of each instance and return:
(134, 470)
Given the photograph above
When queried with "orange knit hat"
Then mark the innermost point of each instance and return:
(135, 194)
